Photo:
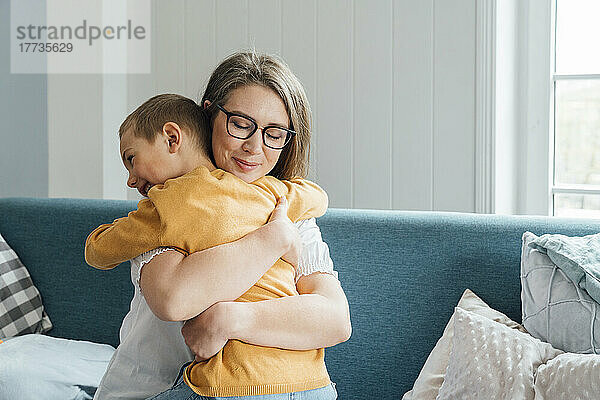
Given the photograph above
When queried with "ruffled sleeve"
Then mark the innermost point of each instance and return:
(142, 260)
(315, 252)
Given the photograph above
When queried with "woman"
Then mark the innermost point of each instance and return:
(247, 85)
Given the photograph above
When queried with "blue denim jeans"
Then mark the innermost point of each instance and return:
(181, 391)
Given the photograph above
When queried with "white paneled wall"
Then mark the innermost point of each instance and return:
(334, 106)
(413, 105)
(75, 137)
(391, 84)
(372, 104)
(454, 39)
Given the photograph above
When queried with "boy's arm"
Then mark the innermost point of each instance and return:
(128, 237)
(306, 199)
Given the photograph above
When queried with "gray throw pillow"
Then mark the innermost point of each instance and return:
(21, 309)
(554, 308)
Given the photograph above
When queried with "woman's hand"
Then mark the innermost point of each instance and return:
(206, 333)
(287, 232)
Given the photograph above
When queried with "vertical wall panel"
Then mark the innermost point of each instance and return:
(333, 139)
(75, 137)
(232, 27)
(413, 104)
(23, 111)
(75, 132)
(264, 28)
(454, 106)
(114, 111)
(372, 104)
(169, 58)
(200, 52)
(298, 49)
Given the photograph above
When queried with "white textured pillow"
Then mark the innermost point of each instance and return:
(490, 360)
(428, 383)
(556, 310)
(569, 376)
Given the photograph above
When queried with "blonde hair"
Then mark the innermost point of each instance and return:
(252, 68)
(147, 120)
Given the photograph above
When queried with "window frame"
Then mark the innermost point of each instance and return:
(536, 107)
(581, 189)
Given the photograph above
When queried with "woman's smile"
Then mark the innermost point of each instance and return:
(246, 165)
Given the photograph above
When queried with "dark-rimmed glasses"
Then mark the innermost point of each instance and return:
(243, 127)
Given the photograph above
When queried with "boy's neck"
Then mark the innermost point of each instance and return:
(201, 161)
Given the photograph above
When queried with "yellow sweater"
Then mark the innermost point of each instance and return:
(202, 209)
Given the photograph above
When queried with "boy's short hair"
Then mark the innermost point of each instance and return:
(147, 120)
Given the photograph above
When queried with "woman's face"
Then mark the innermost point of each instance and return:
(248, 159)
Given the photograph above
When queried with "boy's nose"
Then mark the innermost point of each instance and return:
(131, 181)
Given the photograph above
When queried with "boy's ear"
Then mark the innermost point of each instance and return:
(206, 104)
(174, 136)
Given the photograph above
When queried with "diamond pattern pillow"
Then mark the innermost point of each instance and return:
(21, 309)
(555, 309)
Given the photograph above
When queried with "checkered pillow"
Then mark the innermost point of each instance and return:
(21, 309)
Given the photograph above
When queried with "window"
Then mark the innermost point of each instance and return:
(576, 103)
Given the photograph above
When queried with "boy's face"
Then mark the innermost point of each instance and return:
(148, 163)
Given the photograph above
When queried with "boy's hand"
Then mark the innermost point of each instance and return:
(287, 232)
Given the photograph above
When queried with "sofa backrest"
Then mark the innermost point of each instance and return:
(49, 236)
(403, 273)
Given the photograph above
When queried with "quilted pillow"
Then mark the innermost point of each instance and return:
(555, 309)
(490, 360)
(21, 309)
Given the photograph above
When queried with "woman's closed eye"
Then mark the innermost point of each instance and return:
(275, 135)
(242, 125)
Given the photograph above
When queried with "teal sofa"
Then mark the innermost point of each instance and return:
(403, 273)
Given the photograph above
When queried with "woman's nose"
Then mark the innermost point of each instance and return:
(254, 143)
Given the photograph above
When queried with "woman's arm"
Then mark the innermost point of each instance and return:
(178, 288)
(318, 318)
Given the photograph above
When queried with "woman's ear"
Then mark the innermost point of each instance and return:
(206, 104)
(174, 136)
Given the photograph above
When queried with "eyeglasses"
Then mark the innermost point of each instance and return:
(242, 127)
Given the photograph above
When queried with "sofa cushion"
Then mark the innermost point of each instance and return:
(44, 367)
(555, 309)
(569, 376)
(430, 378)
(490, 360)
(21, 308)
